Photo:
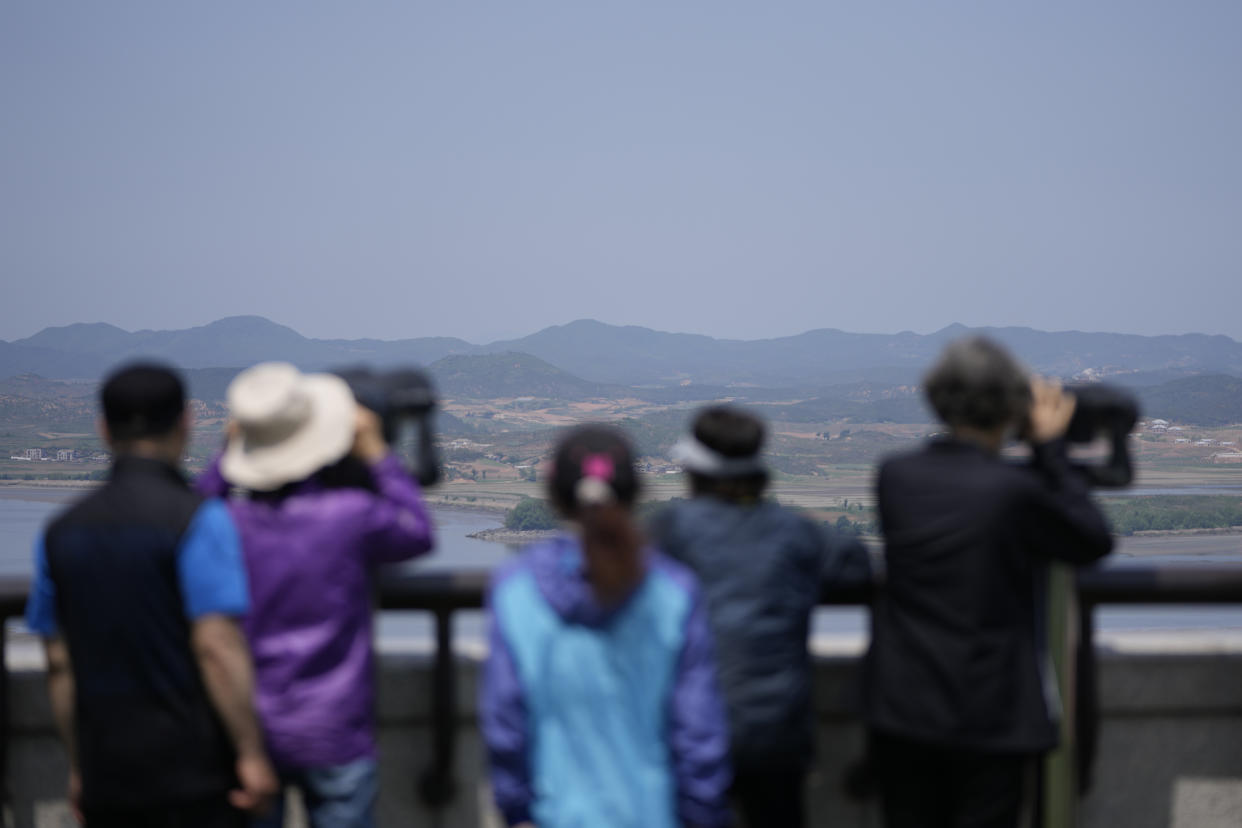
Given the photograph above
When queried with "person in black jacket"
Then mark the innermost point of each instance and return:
(959, 695)
(761, 567)
(137, 590)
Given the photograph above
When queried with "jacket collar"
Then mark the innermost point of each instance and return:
(127, 466)
(948, 444)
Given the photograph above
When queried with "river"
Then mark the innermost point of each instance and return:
(24, 511)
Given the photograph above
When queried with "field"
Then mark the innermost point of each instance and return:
(494, 450)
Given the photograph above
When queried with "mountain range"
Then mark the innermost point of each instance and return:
(597, 353)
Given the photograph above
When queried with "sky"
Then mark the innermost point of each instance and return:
(743, 170)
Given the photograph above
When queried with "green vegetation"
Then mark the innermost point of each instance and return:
(531, 514)
(1208, 400)
(853, 528)
(98, 474)
(1173, 512)
(653, 434)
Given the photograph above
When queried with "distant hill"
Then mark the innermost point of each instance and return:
(1209, 400)
(635, 356)
(495, 376)
(903, 409)
(630, 355)
(209, 384)
(88, 350)
(34, 386)
(59, 405)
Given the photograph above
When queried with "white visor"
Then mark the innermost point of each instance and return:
(695, 457)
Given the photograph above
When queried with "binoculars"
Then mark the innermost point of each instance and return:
(405, 401)
(1107, 411)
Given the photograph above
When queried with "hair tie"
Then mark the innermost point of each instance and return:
(599, 467)
(592, 491)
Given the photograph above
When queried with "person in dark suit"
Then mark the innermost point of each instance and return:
(958, 691)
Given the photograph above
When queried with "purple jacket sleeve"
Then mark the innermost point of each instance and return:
(699, 731)
(397, 524)
(211, 483)
(502, 718)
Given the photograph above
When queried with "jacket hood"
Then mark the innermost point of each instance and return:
(559, 569)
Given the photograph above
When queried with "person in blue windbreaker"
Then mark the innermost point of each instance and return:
(599, 702)
(763, 567)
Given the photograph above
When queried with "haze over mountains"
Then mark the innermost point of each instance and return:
(595, 353)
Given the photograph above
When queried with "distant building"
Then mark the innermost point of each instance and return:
(33, 454)
(66, 455)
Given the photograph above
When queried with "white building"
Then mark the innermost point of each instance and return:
(33, 454)
(65, 455)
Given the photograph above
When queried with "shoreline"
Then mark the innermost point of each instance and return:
(514, 537)
(58, 491)
(441, 502)
(61, 485)
(1164, 533)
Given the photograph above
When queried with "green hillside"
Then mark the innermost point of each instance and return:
(1208, 400)
(497, 376)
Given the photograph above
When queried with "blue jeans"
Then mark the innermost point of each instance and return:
(336, 796)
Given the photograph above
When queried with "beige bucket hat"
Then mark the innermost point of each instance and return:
(290, 425)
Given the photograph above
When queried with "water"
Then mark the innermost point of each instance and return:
(23, 512)
(1141, 491)
(20, 522)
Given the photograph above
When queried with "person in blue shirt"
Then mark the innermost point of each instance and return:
(136, 593)
(599, 703)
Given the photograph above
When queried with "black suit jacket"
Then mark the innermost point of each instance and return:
(957, 654)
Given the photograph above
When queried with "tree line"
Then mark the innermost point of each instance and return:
(1172, 512)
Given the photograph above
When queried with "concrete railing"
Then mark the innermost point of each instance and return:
(1170, 747)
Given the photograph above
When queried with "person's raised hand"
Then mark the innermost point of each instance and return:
(369, 443)
(1052, 408)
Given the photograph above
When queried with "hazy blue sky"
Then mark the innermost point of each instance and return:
(737, 169)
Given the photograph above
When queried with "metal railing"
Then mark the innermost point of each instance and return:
(445, 593)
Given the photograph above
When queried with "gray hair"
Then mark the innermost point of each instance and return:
(978, 383)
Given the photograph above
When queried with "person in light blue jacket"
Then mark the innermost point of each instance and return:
(599, 701)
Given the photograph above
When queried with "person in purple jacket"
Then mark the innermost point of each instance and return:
(319, 501)
(599, 703)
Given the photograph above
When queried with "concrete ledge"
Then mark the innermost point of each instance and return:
(1207, 803)
(1170, 741)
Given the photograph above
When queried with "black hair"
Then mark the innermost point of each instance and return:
(978, 383)
(350, 472)
(734, 433)
(729, 431)
(140, 400)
